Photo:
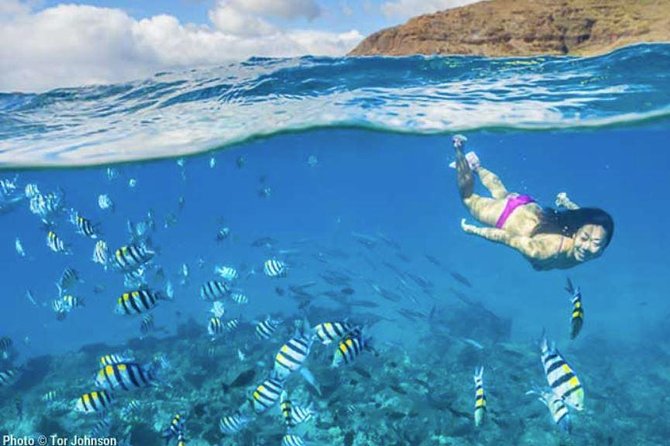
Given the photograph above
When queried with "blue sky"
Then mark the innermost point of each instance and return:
(49, 44)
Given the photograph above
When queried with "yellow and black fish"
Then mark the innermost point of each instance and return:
(292, 355)
(328, 332)
(175, 429)
(577, 309)
(84, 226)
(286, 409)
(94, 402)
(560, 376)
(131, 257)
(557, 408)
(126, 376)
(266, 394)
(138, 301)
(350, 347)
(480, 397)
(56, 244)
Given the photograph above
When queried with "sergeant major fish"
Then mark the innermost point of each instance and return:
(266, 328)
(94, 402)
(557, 408)
(350, 348)
(577, 310)
(131, 257)
(232, 424)
(560, 376)
(480, 397)
(274, 268)
(266, 395)
(56, 244)
(292, 355)
(126, 376)
(214, 290)
(328, 332)
(138, 301)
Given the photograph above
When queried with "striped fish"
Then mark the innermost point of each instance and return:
(70, 302)
(126, 376)
(101, 428)
(266, 328)
(577, 310)
(175, 428)
(215, 326)
(181, 439)
(239, 298)
(94, 402)
(50, 396)
(349, 348)
(138, 301)
(232, 424)
(557, 408)
(480, 397)
(114, 358)
(301, 414)
(266, 395)
(31, 190)
(131, 257)
(5, 344)
(291, 356)
(68, 279)
(60, 309)
(292, 440)
(218, 310)
(214, 290)
(101, 253)
(84, 226)
(274, 268)
(105, 203)
(232, 324)
(46, 206)
(286, 408)
(8, 377)
(228, 273)
(328, 332)
(56, 244)
(147, 324)
(561, 378)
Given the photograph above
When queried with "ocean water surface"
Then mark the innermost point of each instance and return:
(338, 169)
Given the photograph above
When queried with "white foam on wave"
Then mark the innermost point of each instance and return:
(187, 113)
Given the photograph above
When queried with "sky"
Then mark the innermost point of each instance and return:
(48, 44)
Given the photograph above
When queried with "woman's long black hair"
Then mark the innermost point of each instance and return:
(567, 222)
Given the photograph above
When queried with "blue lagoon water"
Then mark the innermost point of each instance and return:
(339, 169)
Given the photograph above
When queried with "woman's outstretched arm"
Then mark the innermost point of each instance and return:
(525, 245)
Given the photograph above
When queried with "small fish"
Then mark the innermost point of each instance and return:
(8, 377)
(480, 397)
(328, 332)
(232, 324)
(241, 355)
(266, 328)
(292, 440)
(274, 268)
(239, 298)
(577, 320)
(215, 326)
(68, 279)
(50, 396)
(292, 355)
(557, 408)
(94, 402)
(214, 290)
(212, 162)
(130, 257)
(232, 424)
(218, 309)
(126, 376)
(312, 161)
(105, 203)
(286, 408)
(31, 190)
(5, 346)
(138, 301)
(301, 414)
(19, 247)
(228, 273)
(132, 182)
(84, 226)
(350, 348)
(112, 173)
(240, 161)
(460, 278)
(147, 325)
(175, 428)
(56, 244)
(101, 253)
(70, 302)
(184, 274)
(266, 395)
(560, 376)
(265, 192)
(222, 234)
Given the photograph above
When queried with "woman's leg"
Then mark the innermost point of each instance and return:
(485, 210)
(491, 181)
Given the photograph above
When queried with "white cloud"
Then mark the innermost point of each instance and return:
(404, 9)
(285, 9)
(72, 45)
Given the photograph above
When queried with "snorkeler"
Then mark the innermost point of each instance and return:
(548, 238)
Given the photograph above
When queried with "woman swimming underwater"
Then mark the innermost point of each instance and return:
(548, 238)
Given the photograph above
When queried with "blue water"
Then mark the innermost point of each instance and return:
(381, 131)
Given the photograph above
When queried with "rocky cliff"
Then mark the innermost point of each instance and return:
(525, 28)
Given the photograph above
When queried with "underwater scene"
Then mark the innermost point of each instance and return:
(341, 251)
